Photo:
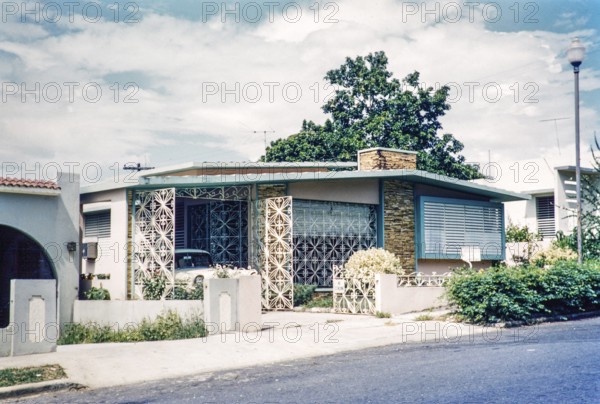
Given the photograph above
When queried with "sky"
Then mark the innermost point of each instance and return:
(91, 86)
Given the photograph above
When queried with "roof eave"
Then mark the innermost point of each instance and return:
(29, 191)
(415, 176)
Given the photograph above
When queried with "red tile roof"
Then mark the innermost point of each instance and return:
(19, 182)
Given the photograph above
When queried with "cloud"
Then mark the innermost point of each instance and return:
(203, 88)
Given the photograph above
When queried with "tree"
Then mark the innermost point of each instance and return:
(370, 108)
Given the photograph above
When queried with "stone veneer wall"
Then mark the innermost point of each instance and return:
(271, 191)
(399, 221)
(383, 159)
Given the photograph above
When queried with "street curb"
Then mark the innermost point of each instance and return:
(552, 319)
(21, 390)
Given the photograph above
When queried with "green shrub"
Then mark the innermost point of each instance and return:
(97, 293)
(169, 326)
(321, 301)
(303, 294)
(524, 292)
(153, 288)
(516, 234)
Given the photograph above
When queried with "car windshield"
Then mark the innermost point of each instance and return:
(192, 260)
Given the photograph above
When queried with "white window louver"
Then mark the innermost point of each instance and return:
(448, 226)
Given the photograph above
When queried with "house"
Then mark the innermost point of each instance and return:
(292, 220)
(39, 234)
(552, 190)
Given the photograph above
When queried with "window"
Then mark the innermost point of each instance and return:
(97, 224)
(545, 215)
(327, 234)
(446, 225)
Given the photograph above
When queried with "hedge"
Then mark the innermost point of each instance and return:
(523, 293)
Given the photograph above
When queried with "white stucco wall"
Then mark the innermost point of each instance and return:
(389, 298)
(120, 314)
(536, 177)
(112, 253)
(52, 221)
(360, 191)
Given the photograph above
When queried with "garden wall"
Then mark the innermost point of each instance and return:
(121, 312)
(394, 299)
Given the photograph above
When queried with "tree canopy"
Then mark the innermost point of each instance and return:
(370, 108)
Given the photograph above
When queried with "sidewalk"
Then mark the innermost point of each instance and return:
(285, 336)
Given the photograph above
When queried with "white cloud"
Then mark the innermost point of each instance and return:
(177, 60)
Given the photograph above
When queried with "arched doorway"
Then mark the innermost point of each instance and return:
(21, 257)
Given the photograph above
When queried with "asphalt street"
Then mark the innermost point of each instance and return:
(550, 363)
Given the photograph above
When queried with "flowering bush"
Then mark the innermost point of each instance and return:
(373, 261)
(552, 255)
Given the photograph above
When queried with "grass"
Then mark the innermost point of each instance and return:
(166, 327)
(382, 314)
(16, 376)
(424, 317)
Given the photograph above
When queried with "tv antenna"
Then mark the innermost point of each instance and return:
(555, 129)
(264, 132)
(136, 167)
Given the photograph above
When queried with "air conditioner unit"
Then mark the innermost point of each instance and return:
(89, 251)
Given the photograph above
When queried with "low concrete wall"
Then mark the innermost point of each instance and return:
(229, 304)
(121, 312)
(232, 303)
(390, 298)
(33, 324)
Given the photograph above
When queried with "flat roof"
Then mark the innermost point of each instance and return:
(192, 165)
(585, 170)
(414, 176)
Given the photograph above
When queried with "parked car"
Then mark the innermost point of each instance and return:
(193, 266)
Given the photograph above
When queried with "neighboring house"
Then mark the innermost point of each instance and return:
(552, 188)
(39, 234)
(309, 216)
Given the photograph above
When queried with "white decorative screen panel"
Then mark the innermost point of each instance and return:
(278, 287)
(155, 236)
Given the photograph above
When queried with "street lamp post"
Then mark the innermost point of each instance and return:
(575, 54)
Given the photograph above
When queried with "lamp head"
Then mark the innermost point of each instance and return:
(576, 52)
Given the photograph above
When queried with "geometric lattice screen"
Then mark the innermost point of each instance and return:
(220, 227)
(154, 236)
(327, 234)
(278, 271)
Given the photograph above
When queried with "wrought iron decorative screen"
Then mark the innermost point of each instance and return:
(155, 236)
(216, 193)
(221, 227)
(257, 247)
(327, 234)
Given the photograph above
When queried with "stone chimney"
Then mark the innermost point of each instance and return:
(381, 158)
